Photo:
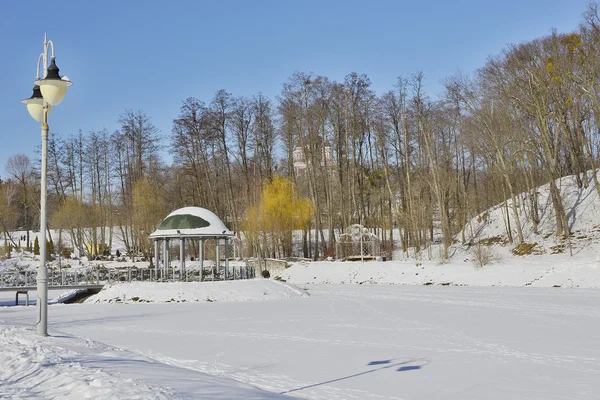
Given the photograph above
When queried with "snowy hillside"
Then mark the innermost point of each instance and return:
(543, 259)
(582, 207)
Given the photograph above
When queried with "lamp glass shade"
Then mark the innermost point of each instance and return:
(35, 107)
(36, 111)
(53, 90)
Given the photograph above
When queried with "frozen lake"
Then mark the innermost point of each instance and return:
(357, 341)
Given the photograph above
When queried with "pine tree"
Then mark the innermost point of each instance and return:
(36, 247)
(49, 249)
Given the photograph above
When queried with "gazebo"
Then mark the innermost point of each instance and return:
(357, 243)
(190, 223)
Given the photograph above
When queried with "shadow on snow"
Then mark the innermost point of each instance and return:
(416, 364)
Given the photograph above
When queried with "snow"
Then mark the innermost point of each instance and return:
(181, 292)
(67, 367)
(544, 271)
(342, 342)
(32, 367)
(66, 296)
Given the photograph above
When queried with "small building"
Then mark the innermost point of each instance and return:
(187, 224)
(300, 163)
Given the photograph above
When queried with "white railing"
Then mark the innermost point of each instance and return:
(94, 276)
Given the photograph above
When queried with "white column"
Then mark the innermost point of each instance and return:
(217, 254)
(201, 256)
(201, 253)
(165, 256)
(182, 255)
(156, 257)
(227, 258)
(42, 276)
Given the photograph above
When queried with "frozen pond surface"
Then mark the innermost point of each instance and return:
(351, 342)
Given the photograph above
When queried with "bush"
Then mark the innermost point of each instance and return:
(329, 251)
(36, 247)
(387, 249)
(483, 217)
(266, 274)
(65, 252)
(493, 240)
(525, 249)
(482, 255)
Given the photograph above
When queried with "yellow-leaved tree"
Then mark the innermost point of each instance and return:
(268, 225)
(149, 208)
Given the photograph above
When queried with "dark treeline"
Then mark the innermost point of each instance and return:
(395, 160)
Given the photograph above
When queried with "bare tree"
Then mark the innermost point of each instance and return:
(20, 169)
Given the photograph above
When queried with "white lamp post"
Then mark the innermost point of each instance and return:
(47, 92)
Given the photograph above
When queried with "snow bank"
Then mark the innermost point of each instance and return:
(66, 296)
(34, 367)
(72, 368)
(544, 271)
(181, 292)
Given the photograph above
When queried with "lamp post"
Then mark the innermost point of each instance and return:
(49, 91)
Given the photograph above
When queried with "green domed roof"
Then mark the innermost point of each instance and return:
(191, 222)
(183, 221)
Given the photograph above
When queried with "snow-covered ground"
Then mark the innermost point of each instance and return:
(67, 367)
(182, 292)
(342, 342)
(535, 270)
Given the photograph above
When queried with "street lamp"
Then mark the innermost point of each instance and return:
(47, 92)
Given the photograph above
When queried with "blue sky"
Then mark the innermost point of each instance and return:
(151, 55)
